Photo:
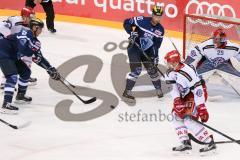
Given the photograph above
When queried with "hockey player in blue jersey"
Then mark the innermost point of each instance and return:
(13, 49)
(147, 33)
(15, 24)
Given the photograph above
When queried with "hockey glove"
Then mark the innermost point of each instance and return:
(53, 73)
(179, 107)
(133, 36)
(202, 112)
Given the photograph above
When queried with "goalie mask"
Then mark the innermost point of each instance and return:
(219, 38)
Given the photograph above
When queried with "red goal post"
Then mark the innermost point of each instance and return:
(198, 28)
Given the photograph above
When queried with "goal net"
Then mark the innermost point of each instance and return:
(200, 28)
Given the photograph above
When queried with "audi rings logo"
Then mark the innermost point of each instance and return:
(214, 10)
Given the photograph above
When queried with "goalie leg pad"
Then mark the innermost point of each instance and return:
(232, 80)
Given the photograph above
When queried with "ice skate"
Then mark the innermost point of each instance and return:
(185, 146)
(7, 108)
(127, 96)
(22, 98)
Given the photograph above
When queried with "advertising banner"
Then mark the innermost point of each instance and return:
(118, 10)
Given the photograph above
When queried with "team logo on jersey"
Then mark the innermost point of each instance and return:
(217, 61)
(157, 32)
(23, 41)
(193, 53)
(199, 93)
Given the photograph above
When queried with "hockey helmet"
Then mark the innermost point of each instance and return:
(172, 57)
(157, 10)
(27, 12)
(219, 38)
(36, 22)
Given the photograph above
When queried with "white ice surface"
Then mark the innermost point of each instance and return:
(104, 138)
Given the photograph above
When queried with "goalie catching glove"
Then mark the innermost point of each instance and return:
(53, 73)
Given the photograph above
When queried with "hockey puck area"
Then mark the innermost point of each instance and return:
(113, 107)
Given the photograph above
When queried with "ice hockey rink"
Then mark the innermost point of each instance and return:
(108, 137)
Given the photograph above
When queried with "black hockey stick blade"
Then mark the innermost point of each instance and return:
(15, 126)
(191, 137)
(90, 100)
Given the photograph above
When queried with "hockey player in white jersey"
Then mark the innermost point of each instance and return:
(213, 57)
(14, 24)
(189, 94)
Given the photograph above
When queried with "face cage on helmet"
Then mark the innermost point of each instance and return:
(168, 64)
(218, 42)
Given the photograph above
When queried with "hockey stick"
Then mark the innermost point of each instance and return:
(202, 143)
(148, 58)
(15, 126)
(170, 39)
(70, 84)
(215, 130)
(84, 101)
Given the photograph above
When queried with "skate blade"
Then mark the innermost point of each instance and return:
(21, 102)
(183, 153)
(7, 111)
(32, 83)
(128, 100)
(208, 153)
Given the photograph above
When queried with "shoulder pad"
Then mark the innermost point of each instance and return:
(139, 18)
(186, 75)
